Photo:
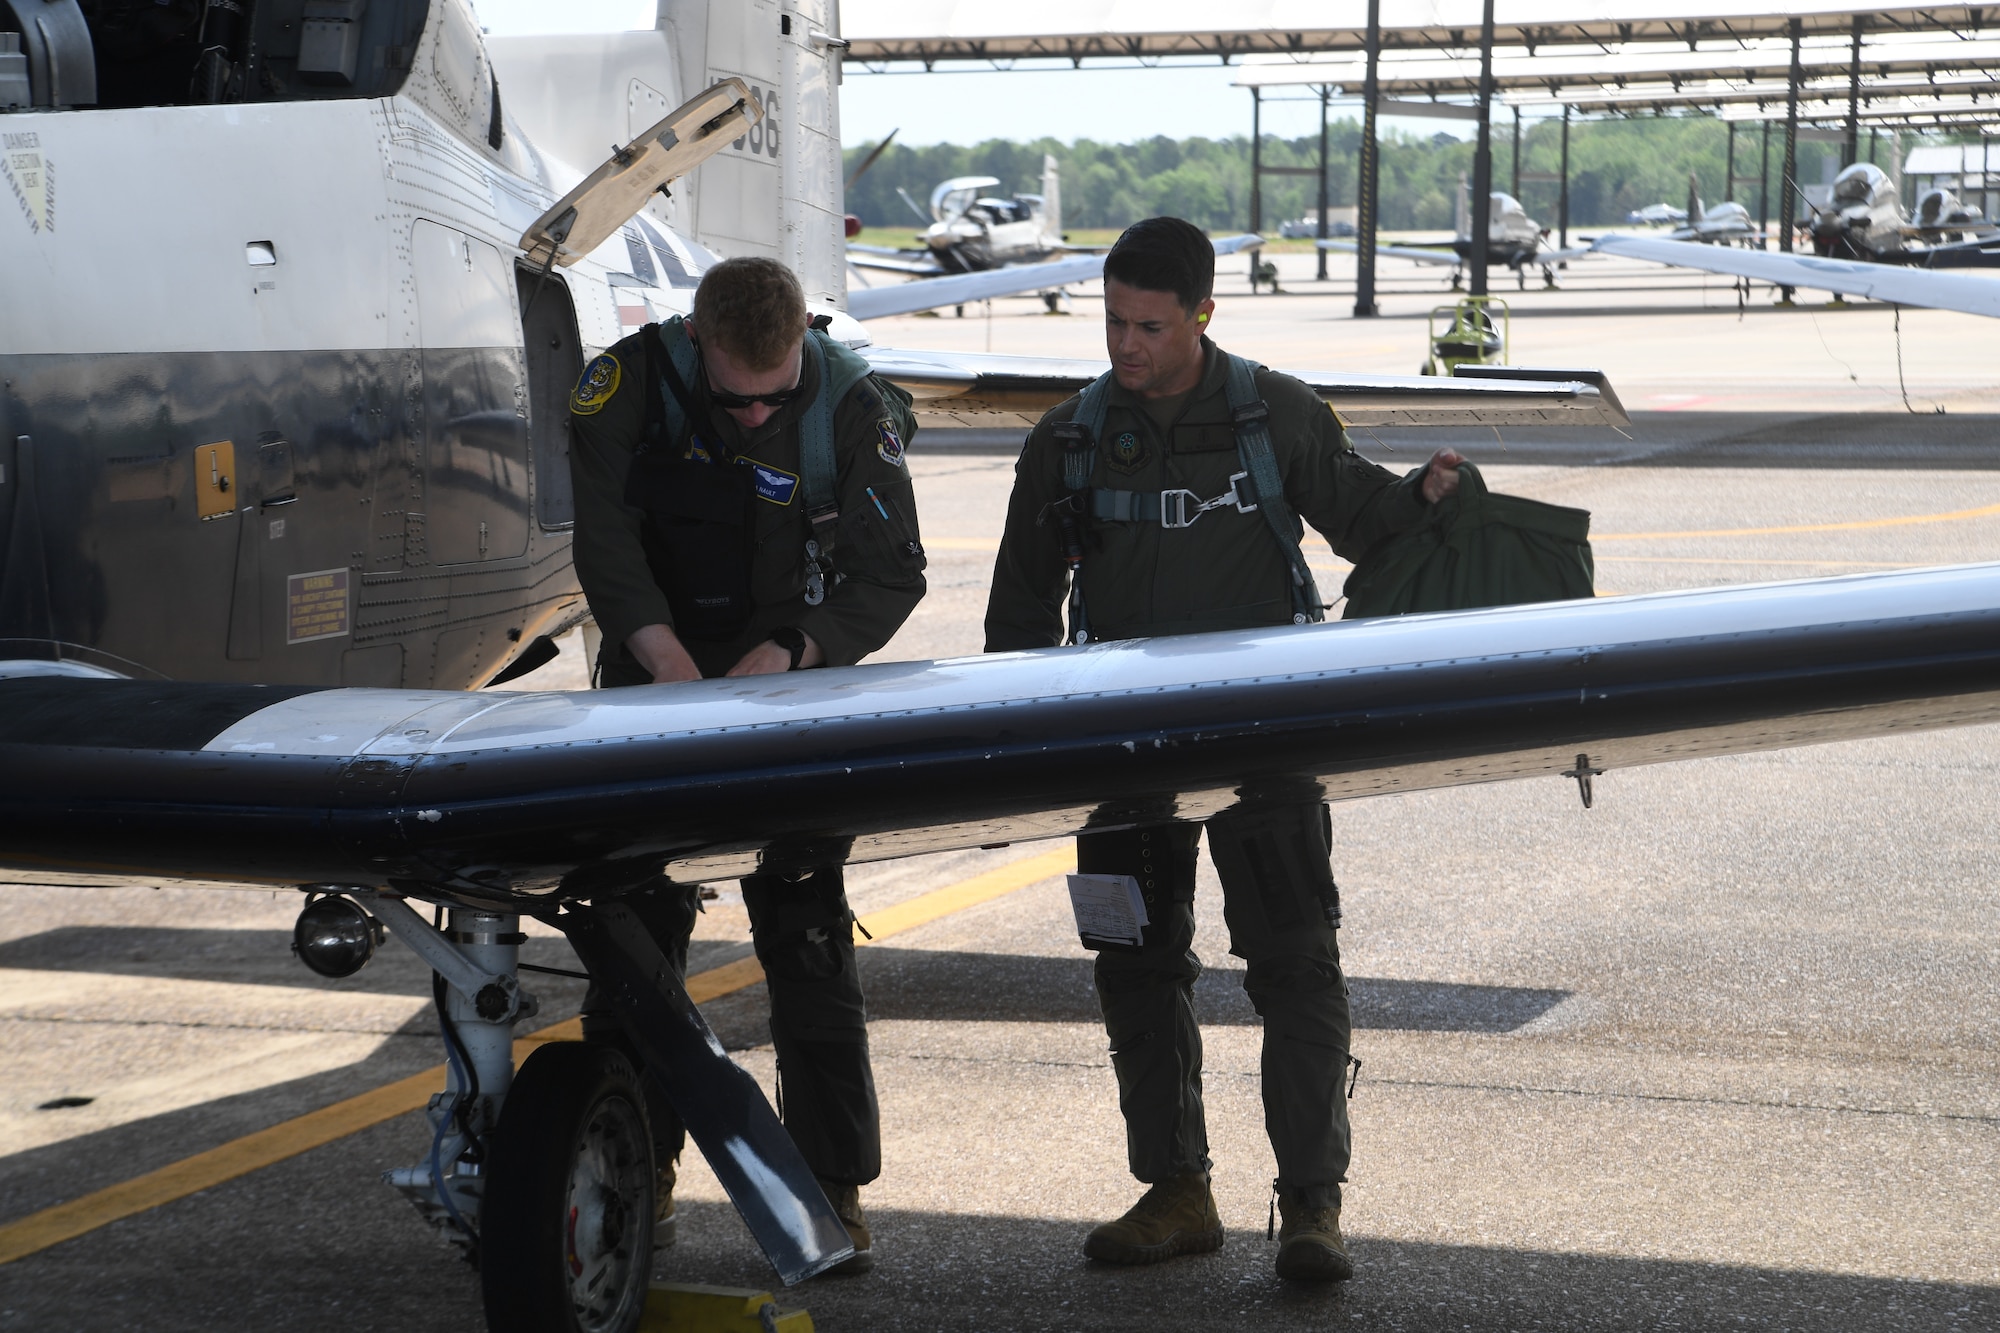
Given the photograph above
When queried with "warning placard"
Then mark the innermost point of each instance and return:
(316, 606)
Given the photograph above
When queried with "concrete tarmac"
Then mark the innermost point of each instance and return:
(1720, 1052)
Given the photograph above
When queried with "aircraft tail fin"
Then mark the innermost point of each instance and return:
(1695, 209)
(1462, 217)
(777, 190)
(1052, 225)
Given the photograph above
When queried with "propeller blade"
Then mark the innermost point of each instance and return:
(869, 160)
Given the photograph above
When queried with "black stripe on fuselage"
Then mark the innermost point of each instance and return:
(128, 714)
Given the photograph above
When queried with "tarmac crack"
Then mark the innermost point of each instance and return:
(1755, 1103)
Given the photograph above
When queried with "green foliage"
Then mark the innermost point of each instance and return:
(1616, 166)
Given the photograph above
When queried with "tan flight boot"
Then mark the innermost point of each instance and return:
(666, 1218)
(1174, 1217)
(846, 1201)
(1309, 1245)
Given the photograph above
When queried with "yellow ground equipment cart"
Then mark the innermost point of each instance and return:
(1473, 332)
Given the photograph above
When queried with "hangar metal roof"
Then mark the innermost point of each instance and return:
(885, 33)
(1882, 57)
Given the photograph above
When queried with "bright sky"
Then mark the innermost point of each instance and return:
(965, 107)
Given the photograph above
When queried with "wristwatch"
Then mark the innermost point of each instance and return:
(793, 640)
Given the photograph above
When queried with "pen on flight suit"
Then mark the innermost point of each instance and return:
(878, 503)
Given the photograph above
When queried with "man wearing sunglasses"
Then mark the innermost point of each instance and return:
(743, 508)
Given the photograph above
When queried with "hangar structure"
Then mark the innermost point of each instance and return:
(1924, 66)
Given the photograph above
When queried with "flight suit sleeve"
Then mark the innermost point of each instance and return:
(1350, 501)
(607, 418)
(1030, 579)
(878, 549)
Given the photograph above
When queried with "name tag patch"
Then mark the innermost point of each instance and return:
(774, 483)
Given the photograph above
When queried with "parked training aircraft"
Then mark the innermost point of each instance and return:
(1513, 239)
(1727, 221)
(1657, 215)
(971, 227)
(1864, 219)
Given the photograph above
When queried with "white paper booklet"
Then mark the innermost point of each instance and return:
(1107, 907)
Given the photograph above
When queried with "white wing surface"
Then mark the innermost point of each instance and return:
(1882, 282)
(964, 288)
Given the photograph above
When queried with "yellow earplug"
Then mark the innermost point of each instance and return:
(1201, 319)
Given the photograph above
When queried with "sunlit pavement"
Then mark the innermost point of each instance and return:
(1718, 1052)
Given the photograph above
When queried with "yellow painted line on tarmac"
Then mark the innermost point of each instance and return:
(315, 1129)
(1857, 525)
(1753, 560)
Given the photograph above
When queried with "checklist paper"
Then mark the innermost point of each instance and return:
(1109, 909)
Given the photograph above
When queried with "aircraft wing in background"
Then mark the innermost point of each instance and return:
(1016, 280)
(1882, 282)
(894, 261)
(1410, 252)
(990, 390)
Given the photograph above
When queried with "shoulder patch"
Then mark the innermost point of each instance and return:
(596, 385)
(890, 446)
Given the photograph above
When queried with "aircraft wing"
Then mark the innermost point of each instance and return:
(1013, 280)
(1411, 252)
(525, 800)
(1882, 282)
(891, 261)
(990, 390)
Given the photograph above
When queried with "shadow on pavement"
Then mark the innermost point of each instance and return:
(954, 1271)
(942, 986)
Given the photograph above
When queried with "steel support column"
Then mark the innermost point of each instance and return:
(1853, 153)
(1325, 92)
(1562, 188)
(1368, 173)
(1256, 161)
(1517, 151)
(1789, 178)
(1764, 190)
(1729, 172)
(1482, 159)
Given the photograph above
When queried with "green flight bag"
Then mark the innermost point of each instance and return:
(1477, 549)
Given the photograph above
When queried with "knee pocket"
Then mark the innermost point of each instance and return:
(1271, 981)
(813, 954)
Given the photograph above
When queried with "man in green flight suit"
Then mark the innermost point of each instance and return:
(743, 508)
(1142, 497)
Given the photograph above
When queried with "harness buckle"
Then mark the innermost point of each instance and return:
(1250, 412)
(1175, 511)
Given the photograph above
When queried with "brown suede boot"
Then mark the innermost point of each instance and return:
(665, 1219)
(1174, 1217)
(846, 1201)
(1309, 1245)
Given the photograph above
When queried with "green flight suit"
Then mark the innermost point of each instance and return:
(802, 927)
(1226, 571)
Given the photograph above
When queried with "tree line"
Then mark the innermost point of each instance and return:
(1615, 166)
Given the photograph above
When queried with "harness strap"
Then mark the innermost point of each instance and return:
(1253, 447)
(1079, 441)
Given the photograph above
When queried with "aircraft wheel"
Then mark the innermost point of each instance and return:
(567, 1240)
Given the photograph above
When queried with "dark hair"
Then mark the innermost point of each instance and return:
(1165, 255)
(753, 309)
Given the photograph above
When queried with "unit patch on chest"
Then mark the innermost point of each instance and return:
(774, 483)
(595, 387)
(1127, 452)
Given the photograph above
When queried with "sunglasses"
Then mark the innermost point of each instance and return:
(724, 399)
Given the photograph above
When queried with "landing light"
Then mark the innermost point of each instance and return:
(334, 937)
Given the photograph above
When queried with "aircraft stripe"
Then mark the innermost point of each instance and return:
(316, 1129)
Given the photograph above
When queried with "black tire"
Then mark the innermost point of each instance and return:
(570, 1168)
